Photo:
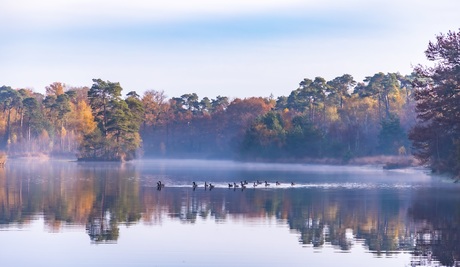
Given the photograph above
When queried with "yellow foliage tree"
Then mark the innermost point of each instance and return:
(55, 89)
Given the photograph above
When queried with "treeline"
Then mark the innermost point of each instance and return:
(339, 119)
(93, 123)
(35, 124)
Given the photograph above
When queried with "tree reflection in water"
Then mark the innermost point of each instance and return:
(438, 234)
(100, 197)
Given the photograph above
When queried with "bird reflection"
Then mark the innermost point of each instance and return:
(160, 185)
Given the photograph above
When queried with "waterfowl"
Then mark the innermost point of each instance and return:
(230, 185)
(160, 185)
(292, 183)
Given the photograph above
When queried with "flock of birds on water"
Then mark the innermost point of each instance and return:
(242, 185)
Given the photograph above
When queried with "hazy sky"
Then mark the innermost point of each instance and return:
(235, 48)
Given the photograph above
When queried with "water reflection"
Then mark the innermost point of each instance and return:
(387, 217)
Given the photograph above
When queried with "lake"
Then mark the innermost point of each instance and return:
(64, 213)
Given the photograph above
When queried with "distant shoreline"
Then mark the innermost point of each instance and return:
(380, 160)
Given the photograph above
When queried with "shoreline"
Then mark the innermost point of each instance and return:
(382, 161)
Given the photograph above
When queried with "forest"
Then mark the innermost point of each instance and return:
(333, 120)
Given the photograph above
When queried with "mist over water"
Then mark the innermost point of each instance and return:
(184, 172)
(115, 214)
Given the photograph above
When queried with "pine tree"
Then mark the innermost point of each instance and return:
(436, 137)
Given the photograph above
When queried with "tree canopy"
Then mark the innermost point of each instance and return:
(436, 136)
(338, 118)
(118, 122)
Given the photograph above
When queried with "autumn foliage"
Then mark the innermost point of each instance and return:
(338, 119)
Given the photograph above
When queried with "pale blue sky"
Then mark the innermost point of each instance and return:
(232, 48)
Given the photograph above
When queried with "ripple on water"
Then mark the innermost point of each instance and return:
(347, 185)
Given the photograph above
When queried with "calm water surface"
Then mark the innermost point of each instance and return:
(61, 213)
